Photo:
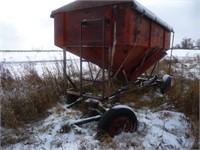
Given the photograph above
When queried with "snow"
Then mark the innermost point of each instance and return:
(39, 60)
(165, 130)
(161, 129)
(183, 53)
(122, 106)
(166, 77)
(29, 56)
(188, 62)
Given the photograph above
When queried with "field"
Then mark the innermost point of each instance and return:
(34, 113)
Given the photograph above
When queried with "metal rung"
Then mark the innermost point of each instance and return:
(96, 81)
(95, 41)
(84, 95)
(91, 60)
(70, 89)
(73, 93)
(84, 23)
(92, 46)
(92, 96)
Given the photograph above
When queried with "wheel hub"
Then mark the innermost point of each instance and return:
(120, 124)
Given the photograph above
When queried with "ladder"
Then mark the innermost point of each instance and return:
(100, 77)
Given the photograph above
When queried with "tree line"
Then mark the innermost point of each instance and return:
(188, 43)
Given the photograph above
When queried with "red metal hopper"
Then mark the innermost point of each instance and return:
(120, 36)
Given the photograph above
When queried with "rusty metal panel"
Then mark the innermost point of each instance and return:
(167, 40)
(91, 33)
(157, 35)
(143, 31)
(147, 64)
(59, 32)
(121, 21)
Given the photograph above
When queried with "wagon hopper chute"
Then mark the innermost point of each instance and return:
(122, 37)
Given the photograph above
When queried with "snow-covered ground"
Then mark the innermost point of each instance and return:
(158, 129)
(161, 129)
(29, 56)
(44, 56)
(183, 52)
(15, 60)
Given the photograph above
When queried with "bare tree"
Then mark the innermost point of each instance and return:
(187, 43)
(177, 46)
(198, 43)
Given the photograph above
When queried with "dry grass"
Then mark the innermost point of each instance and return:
(26, 96)
(183, 96)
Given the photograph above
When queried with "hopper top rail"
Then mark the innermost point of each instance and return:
(84, 4)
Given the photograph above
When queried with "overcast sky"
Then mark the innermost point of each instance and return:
(26, 24)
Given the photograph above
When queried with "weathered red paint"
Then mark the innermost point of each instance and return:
(127, 33)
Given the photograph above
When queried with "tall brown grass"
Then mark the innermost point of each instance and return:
(183, 96)
(184, 93)
(26, 95)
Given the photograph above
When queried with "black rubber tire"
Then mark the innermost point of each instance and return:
(165, 85)
(115, 113)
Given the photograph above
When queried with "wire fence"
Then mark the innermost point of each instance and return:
(29, 59)
(27, 51)
(30, 56)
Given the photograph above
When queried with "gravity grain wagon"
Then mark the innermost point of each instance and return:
(124, 39)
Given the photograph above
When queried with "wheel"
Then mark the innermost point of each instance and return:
(118, 119)
(166, 83)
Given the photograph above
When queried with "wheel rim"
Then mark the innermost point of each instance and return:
(120, 124)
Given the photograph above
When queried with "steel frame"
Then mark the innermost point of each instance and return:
(85, 24)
